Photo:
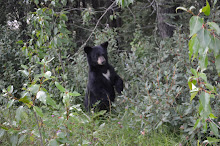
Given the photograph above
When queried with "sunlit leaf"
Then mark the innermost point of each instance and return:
(193, 94)
(10, 89)
(181, 8)
(206, 9)
(192, 7)
(26, 73)
(47, 74)
(34, 88)
(41, 95)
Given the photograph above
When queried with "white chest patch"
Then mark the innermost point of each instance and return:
(107, 75)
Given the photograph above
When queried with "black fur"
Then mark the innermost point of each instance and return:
(99, 88)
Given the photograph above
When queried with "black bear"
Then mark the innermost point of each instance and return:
(102, 79)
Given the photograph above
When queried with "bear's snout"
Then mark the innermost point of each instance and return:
(101, 60)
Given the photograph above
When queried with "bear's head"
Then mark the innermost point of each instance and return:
(97, 55)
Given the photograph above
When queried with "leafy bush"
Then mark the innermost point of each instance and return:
(42, 107)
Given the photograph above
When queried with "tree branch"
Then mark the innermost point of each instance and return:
(98, 23)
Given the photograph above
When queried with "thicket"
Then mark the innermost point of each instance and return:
(43, 81)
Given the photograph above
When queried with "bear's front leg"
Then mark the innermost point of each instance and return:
(118, 84)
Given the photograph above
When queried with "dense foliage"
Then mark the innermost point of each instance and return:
(172, 88)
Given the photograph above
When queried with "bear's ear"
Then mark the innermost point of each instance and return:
(104, 45)
(87, 49)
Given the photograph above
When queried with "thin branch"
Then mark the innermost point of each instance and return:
(41, 138)
(98, 23)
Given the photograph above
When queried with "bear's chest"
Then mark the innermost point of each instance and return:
(107, 75)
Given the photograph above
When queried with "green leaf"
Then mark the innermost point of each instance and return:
(2, 132)
(20, 42)
(47, 74)
(63, 17)
(215, 1)
(193, 94)
(66, 99)
(38, 111)
(36, 2)
(212, 140)
(206, 9)
(214, 129)
(194, 72)
(64, 2)
(61, 134)
(55, 30)
(203, 76)
(41, 95)
(21, 139)
(74, 93)
(14, 139)
(217, 64)
(193, 47)
(209, 86)
(191, 81)
(25, 99)
(204, 37)
(19, 113)
(205, 127)
(53, 142)
(192, 7)
(34, 88)
(212, 116)
(51, 102)
(215, 45)
(205, 101)
(196, 124)
(214, 26)
(60, 87)
(10, 89)
(26, 73)
(24, 66)
(195, 24)
(10, 103)
(203, 61)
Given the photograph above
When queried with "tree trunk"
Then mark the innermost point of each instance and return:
(164, 27)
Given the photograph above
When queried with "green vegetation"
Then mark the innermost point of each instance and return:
(171, 84)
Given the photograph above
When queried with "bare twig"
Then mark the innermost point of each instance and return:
(39, 128)
(98, 23)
